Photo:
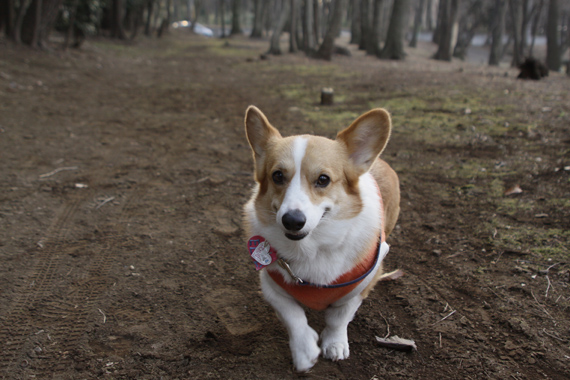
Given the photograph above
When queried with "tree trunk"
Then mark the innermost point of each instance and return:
(448, 24)
(223, 18)
(257, 30)
(376, 28)
(429, 15)
(71, 27)
(355, 25)
(7, 16)
(274, 44)
(293, 31)
(117, 30)
(553, 48)
(326, 49)
(236, 17)
(308, 30)
(364, 25)
(417, 23)
(148, 26)
(38, 21)
(516, 29)
(394, 46)
(496, 51)
(534, 26)
(317, 23)
(439, 21)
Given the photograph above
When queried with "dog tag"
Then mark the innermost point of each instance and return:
(261, 252)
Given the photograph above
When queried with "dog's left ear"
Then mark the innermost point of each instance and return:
(366, 137)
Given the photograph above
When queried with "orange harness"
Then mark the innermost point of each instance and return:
(319, 297)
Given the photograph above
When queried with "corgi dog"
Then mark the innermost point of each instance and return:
(318, 219)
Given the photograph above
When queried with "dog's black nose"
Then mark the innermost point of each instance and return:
(294, 220)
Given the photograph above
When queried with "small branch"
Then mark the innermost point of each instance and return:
(58, 170)
(444, 318)
(104, 316)
(547, 288)
(103, 202)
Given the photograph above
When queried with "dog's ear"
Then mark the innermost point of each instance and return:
(258, 130)
(366, 137)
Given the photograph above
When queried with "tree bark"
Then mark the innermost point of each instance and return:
(496, 51)
(394, 46)
(355, 33)
(327, 46)
(274, 44)
(117, 30)
(293, 31)
(38, 21)
(448, 24)
(417, 23)
(309, 42)
(553, 48)
(257, 30)
(364, 25)
(236, 17)
(534, 26)
(515, 7)
(376, 28)
(7, 16)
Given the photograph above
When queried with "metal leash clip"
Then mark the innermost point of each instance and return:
(283, 264)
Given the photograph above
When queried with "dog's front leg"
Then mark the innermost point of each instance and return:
(334, 338)
(303, 340)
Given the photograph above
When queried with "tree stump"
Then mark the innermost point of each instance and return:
(327, 96)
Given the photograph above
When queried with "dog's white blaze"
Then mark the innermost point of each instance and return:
(295, 197)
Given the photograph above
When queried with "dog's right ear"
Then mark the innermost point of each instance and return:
(258, 131)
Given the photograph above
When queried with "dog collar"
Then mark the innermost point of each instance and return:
(264, 255)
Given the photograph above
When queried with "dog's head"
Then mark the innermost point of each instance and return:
(304, 179)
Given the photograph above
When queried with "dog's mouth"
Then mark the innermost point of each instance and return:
(295, 237)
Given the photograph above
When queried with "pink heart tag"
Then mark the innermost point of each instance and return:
(261, 252)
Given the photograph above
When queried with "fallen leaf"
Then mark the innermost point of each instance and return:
(516, 189)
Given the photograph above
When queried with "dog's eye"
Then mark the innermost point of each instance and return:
(278, 177)
(323, 181)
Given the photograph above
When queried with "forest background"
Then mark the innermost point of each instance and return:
(380, 27)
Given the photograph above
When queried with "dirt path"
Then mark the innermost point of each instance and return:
(124, 169)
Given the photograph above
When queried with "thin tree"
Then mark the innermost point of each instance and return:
(274, 42)
(448, 25)
(293, 31)
(417, 23)
(327, 46)
(257, 30)
(376, 28)
(309, 42)
(364, 25)
(236, 17)
(553, 47)
(516, 12)
(498, 29)
(394, 46)
(355, 17)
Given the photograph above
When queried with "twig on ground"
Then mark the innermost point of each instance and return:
(103, 202)
(387, 326)
(104, 316)
(552, 336)
(444, 318)
(541, 306)
(57, 171)
(547, 287)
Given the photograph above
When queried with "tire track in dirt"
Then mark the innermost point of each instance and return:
(42, 309)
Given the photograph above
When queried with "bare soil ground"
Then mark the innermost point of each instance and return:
(124, 169)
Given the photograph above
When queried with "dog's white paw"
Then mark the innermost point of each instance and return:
(335, 344)
(305, 350)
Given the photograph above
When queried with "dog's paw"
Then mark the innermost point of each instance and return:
(335, 345)
(305, 350)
